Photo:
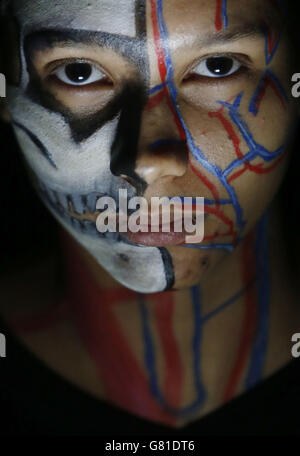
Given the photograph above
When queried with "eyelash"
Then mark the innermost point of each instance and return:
(61, 65)
(190, 76)
(242, 60)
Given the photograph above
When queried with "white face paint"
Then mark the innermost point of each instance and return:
(111, 16)
(73, 175)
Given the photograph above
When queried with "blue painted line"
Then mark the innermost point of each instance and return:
(224, 14)
(259, 348)
(213, 169)
(157, 88)
(255, 149)
(149, 350)
(150, 359)
(227, 303)
(222, 202)
(228, 247)
(208, 202)
(269, 57)
(253, 102)
(279, 85)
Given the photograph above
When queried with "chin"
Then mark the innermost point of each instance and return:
(191, 266)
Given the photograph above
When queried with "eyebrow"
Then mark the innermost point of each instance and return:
(247, 31)
(45, 39)
(124, 45)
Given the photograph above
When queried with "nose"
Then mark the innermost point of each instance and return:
(148, 146)
(161, 151)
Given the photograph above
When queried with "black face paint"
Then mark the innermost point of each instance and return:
(126, 107)
(37, 142)
(169, 268)
(125, 146)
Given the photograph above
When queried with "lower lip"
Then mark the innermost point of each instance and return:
(156, 239)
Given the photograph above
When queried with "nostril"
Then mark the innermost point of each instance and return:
(136, 182)
(164, 157)
(167, 145)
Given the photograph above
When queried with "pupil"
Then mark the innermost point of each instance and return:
(219, 65)
(78, 72)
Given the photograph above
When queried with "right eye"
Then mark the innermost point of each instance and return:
(79, 73)
(218, 66)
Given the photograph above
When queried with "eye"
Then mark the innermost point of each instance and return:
(217, 67)
(79, 73)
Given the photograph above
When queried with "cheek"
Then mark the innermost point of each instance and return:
(241, 146)
(222, 132)
(256, 191)
(50, 151)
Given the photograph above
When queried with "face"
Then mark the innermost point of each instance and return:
(161, 99)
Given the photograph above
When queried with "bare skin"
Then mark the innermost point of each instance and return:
(61, 347)
(226, 350)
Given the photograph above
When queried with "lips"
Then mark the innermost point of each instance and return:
(161, 235)
(156, 239)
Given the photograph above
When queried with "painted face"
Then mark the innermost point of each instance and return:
(162, 98)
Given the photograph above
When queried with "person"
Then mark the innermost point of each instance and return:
(119, 333)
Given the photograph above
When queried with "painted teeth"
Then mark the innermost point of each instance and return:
(79, 204)
(90, 227)
(62, 204)
(92, 201)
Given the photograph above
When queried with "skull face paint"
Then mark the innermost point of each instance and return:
(72, 160)
(165, 95)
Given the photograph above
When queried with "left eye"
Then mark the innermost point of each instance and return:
(79, 73)
(217, 67)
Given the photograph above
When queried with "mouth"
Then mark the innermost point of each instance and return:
(160, 239)
(161, 233)
(79, 211)
(76, 210)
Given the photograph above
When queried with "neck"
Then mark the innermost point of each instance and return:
(172, 357)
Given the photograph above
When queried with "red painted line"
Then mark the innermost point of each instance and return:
(271, 37)
(173, 379)
(163, 73)
(249, 321)
(230, 130)
(216, 236)
(157, 40)
(221, 216)
(213, 189)
(258, 169)
(155, 100)
(219, 20)
(269, 82)
(125, 381)
(278, 93)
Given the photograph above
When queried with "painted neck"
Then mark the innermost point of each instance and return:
(171, 357)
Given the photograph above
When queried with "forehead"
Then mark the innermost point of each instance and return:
(122, 16)
(111, 16)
